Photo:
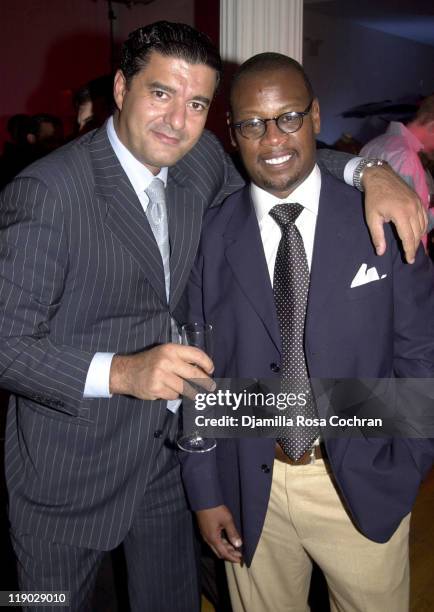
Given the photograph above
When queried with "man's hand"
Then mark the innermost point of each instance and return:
(160, 372)
(389, 198)
(219, 532)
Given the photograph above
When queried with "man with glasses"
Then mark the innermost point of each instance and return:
(288, 278)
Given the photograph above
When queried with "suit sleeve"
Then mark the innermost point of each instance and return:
(201, 479)
(199, 470)
(334, 161)
(414, 317)
(33, 268)
(414, 352)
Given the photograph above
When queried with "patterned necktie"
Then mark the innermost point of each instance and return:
(290, 288)
(157, 217)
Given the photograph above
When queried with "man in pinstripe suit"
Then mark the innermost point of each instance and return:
(86, 330)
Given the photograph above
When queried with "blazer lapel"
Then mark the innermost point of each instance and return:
(125, 217)
(185, 211)
(245, 255)
(332, 238)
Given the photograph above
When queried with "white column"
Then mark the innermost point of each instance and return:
(248, 27)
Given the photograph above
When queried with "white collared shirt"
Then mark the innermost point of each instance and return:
(139, 175)
(98, 375)
(307, 194)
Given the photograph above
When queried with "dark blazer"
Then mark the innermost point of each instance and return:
(381, 329)
(80, 272)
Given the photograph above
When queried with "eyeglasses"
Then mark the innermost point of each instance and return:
(286, 122)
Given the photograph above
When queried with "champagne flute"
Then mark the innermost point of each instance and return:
(198, 335)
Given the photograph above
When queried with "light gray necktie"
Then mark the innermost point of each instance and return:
(157, 217)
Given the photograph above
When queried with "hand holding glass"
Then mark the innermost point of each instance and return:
(200, 336)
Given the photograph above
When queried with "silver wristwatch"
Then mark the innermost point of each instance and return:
(366, 162)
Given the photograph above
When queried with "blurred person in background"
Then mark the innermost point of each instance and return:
(94, 103)
(44, 134)
(31, 137)
(401, 145)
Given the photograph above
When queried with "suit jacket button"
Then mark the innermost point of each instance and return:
(265, 468)
(158, 433)
(274, 368)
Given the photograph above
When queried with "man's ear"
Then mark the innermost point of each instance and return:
(231, 131)
(119, 88)
(316, 118)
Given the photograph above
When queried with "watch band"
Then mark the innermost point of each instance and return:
(364, 163)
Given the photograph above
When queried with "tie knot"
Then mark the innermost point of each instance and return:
(285, 214)
(155, 191)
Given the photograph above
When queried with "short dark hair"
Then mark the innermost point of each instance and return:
(265, 62)
(100, 88)
(170, 39)
(36, 121)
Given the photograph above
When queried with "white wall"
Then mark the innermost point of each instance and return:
(356, 65)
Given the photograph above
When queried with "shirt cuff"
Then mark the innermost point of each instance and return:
(173, 405)
(98, 376)
(349, 170)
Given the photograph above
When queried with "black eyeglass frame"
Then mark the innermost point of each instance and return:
(293, 114)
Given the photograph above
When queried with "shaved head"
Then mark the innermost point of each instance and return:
(269, 62)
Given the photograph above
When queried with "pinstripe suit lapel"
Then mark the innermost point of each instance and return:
(125, 216)
(185, 211)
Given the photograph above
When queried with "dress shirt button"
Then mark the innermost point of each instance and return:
(158, 433)
(274, 367)
(265, 468)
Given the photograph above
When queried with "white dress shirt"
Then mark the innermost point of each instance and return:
(98, 375)
(307, 194)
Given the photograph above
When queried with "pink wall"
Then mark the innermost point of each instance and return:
(51, 47)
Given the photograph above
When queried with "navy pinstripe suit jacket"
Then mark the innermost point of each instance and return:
(80, 272)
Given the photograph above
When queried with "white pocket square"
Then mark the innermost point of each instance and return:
(366, 275)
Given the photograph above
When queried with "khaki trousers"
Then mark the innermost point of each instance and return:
(306, 520)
